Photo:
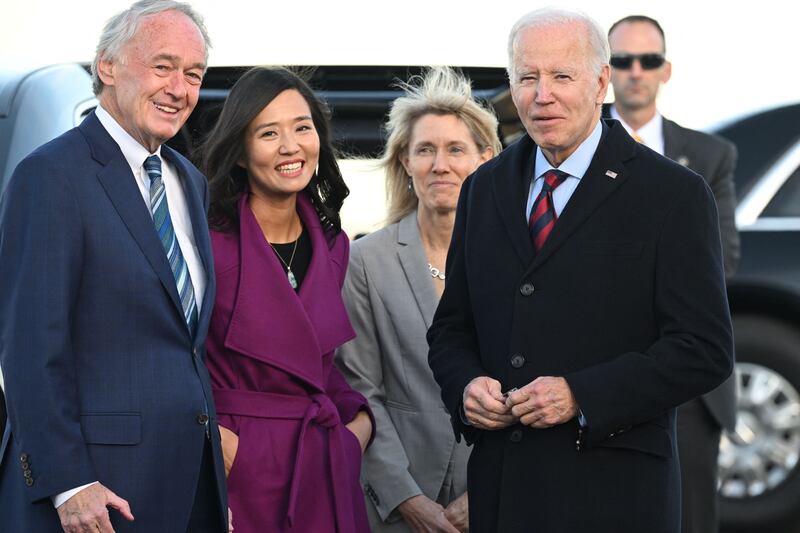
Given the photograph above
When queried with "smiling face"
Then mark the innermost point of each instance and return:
(281, 147)
(556, 92)
(152, 88)
(441, 154)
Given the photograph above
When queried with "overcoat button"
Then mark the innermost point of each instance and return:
(526, 289)
(516, 435)
(23, 458)
(202, 419)
(517, 360)
(28, 481)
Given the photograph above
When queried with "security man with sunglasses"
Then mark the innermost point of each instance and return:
(638, 69)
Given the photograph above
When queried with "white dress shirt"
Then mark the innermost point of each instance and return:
(135, 154)
(651, 134)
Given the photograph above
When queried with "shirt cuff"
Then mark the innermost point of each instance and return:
(582, 420)
(59, 499)
(463, 415)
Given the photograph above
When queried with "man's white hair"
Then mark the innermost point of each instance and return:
(121, 28)
(549, 16)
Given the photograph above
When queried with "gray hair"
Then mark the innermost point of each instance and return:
(549, 16)
(438, 91)
(121, 28)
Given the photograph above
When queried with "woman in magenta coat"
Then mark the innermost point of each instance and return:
(293, 430)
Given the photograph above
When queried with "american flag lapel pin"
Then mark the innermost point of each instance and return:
(611, 174)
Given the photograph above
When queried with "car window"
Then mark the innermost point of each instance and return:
(761, 139)
(787, 202)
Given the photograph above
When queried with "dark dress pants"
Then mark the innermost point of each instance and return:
(206, 515)
(698, 446)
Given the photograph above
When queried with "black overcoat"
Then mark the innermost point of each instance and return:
(626, 300)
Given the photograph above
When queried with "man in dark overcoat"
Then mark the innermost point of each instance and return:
(585, 301)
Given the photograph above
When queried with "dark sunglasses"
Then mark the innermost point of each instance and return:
(647, 61)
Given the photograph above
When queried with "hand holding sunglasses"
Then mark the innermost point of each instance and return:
(647, 61)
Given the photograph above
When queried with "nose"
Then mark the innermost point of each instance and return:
(636, 68)
(288, 145)
(543, 93)
(176, 87)
(441, 164)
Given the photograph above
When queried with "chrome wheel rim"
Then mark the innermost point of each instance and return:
(764, 450)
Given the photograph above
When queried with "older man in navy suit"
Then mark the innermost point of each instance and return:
(106, 288)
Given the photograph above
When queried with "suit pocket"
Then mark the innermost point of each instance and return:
(112, 428)
(648, 438)
(614, 248)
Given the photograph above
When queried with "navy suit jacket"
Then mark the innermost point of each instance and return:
(103, 379)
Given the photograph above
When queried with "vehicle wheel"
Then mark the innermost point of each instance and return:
(758, 465)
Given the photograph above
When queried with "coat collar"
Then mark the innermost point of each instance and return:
(412, 258)
(120, 185)
(272, 323)
(510, 178)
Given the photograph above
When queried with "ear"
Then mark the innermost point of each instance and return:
(666, 72)
(602, 84)
(106, 71)
(404, 161)
(487, 154)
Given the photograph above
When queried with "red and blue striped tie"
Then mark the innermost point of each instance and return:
(543, 214)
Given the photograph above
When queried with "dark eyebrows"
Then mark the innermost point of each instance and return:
(301, 118)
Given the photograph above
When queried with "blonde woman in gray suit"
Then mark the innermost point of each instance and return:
(414, 474)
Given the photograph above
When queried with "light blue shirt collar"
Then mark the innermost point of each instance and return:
(578, 162)
(575, 165)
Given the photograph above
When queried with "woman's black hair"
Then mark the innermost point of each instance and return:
(224, 148)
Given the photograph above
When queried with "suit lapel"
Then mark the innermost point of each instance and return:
(510, 180)
(410, 252)
(321, 292)
(197, 214)
(120, 186)
(674, 142)
(273, 324)
(595, 186)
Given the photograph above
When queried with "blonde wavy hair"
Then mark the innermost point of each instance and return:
(437, 91)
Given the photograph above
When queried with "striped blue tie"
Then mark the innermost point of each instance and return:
(166, 233)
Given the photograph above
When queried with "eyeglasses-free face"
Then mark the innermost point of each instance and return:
(647, 61)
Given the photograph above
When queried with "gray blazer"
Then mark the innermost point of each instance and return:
(391, 299)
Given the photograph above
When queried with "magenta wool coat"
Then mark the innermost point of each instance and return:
(270, 356)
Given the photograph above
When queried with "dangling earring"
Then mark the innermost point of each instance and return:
(410, 184)
(316, 170)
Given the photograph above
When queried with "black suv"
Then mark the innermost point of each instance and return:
(759, 469)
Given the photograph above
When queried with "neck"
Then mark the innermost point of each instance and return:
(436, 228)
(277, 218)
(636, 118)
(110, 105)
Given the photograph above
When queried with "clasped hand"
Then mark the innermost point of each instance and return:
(544, 402)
